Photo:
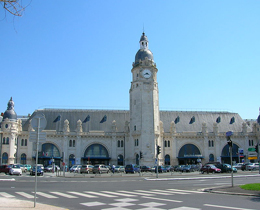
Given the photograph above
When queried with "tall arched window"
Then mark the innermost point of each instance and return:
(71, 160)
(137, 159)
(7, 140)
(118, 143)
(122, 143)
(74, 143)
(167, 160)
(120, 160)
(4, 140)
(70, 143)
(25, 142)
(5, 158)
(169, 144)
(23, 158)
(22, 142)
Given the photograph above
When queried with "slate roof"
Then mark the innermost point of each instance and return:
(189, 121)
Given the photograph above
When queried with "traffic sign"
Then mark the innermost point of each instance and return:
(33, 136)
(251, 149)
(40, 121)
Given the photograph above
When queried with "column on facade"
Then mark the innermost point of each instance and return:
(205, 142)
(113, 154)
(12, 143)
(174, 146)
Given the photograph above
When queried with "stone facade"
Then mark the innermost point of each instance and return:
(121, 137)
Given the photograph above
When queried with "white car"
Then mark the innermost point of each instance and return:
(15, 169)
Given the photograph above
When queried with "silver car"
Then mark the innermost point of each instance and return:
(15, 170)
(99, 169)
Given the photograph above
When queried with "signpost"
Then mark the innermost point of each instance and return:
(38, 123)
(230, 143)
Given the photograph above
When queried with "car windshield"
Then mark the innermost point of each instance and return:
(16, 166)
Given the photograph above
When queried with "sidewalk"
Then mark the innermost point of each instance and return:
(15, 204)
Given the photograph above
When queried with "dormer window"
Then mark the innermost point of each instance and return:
(218, 120)
(232, 120)
(192, 120)
(177, 120)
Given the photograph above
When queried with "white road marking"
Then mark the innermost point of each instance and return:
(227, 207)
(82, 194)
(25, 194)
(6, 195)
(100, 194)
(64, 195)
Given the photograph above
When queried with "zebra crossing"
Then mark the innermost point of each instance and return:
(122, 199)
(93, 194)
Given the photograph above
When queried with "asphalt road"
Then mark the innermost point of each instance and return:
(131, 192)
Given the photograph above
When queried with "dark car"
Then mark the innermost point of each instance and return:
(4, 169)
(39, 171)
(161, 169)
(132, 168)
(187, 168)
(210, 169)
(224, 168)
(145, 169)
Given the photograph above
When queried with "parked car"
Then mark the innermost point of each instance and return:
(119, 169)
(238, 165)
(179, 168)
(28, 167)
(48, 168)
(24, 169)
(224, 167)
(4, 169)
(99, 169)
(169, 168)
(161, 169)
(187, 168)
(210, 169)
(145, 169)
(195, 167)
(38, 171)
(75, 168)
(86, 169)
(132, 168)
(15, 169)
(250, 166)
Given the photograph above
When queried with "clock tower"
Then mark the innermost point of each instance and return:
(144, 108)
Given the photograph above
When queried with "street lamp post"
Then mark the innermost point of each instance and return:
(230, 143)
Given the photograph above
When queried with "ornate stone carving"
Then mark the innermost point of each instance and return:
(66, 127)
(79, 126)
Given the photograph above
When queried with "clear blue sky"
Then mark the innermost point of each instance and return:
(79, 54)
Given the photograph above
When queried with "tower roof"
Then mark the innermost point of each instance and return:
(10, 113)
(143, 52)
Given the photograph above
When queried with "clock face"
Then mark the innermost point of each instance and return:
(147, 73)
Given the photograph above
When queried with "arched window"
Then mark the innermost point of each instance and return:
(7, 140)
(167, 160)
(5, 158)
(74, 143)
(4, 140)
(169, 144)
(118, 143)
(71, 160)
(70, 143)
(50, 150)
(211, 158)
(22, 142)
(120, 160)
(137, 159)
(165, 143)
(23, 158)
(137, 142)
(122, 143)
(25, 142)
